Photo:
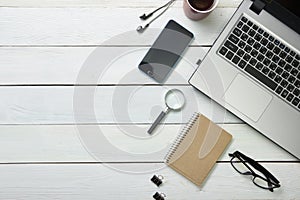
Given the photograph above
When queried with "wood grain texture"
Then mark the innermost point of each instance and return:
(88, 26)
(48, 43)
(101, 104)
(63, 65)
(68, 143)
(114, 181)
(101, 3)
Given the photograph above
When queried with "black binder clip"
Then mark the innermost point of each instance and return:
(157, 180)
(159, 196)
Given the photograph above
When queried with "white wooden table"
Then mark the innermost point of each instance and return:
(44, 45)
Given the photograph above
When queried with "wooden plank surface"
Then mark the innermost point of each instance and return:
(102, 3)
(101, 104)
(68, 143)
(44, 151)
(131, 181)
(87, 26)
(63, 65)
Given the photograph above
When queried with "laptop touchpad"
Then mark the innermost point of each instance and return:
(247, 97)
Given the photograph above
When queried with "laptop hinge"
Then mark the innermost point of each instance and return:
(257, 6)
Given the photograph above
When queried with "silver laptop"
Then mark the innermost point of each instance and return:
(253, 69)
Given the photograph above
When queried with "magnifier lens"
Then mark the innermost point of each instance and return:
(175, 99)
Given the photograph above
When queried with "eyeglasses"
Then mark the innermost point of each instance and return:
(247, 166)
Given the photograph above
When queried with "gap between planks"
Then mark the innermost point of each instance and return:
(96, 45)
(132, 162)
(103, 4)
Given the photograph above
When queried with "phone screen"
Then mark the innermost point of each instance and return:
(166, 51)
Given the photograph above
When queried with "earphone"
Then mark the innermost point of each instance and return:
(141, 28)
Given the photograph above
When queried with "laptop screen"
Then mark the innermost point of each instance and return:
(290, 5)
(287, 11)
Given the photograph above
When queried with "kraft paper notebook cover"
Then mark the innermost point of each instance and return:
(197, 148)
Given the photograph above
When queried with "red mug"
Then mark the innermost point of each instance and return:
(194, 13)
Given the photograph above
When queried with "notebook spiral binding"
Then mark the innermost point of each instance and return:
(181, 136)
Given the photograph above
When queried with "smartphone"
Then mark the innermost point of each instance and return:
(166, 51)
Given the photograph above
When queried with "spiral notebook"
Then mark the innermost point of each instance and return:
(197, 148)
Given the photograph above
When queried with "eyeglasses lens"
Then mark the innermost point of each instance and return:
(260, 182)
(239, 166)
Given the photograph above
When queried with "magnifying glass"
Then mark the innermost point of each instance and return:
(174, 100)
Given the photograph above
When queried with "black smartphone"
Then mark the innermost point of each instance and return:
(166, 51)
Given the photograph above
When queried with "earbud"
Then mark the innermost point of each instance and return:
(141, 29)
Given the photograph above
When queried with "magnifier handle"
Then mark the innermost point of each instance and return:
(157, 121)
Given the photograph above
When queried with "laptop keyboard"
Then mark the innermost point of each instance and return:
(264, 57)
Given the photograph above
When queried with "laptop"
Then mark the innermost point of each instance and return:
(253, 69)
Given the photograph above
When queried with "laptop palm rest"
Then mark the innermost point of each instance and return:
(247, 97)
